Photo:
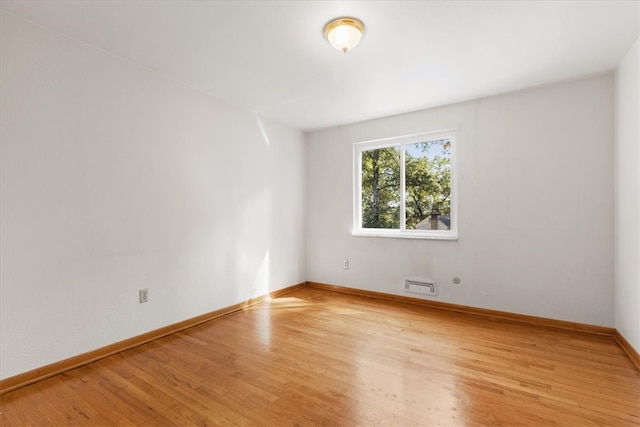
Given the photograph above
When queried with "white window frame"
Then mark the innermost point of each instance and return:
(402, 232)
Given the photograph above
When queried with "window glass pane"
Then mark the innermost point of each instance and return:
(381, 188)
(428, 185)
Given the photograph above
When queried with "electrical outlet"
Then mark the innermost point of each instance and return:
(143, 295)
(345, 264)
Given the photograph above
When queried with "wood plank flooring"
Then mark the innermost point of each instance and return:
(320, 358)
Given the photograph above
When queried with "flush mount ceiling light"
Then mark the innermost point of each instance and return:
(344, 33)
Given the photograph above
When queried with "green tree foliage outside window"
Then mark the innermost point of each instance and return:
(381, 188)
(427, 171)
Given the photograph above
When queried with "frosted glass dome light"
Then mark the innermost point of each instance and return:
(344, 33)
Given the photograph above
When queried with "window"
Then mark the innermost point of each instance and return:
(406, 187)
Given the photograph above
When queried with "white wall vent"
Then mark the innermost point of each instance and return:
(420, 286)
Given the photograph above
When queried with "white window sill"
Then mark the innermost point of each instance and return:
(404, 235)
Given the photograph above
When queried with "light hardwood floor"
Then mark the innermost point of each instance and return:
(315, 357)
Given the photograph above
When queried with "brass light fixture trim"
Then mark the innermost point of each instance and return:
(344, 33)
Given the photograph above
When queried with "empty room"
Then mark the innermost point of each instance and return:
(305, 213)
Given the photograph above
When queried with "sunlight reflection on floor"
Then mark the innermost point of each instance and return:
(288, 303)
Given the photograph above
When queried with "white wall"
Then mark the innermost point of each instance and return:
(115, 178)
(535, 205)
(627, 232)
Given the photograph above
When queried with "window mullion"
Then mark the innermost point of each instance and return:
(403, 214)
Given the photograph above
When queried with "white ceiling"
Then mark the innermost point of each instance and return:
(270, 56)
